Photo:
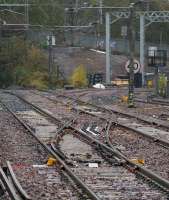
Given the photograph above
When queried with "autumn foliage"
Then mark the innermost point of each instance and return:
(23, 63)
(79, 77)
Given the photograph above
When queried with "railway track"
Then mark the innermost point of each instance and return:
(29, 156)
(153, 107)
(116, 110)
(142, 124)
(133, 145)
(10, 185)
(96, 121)
(154, 100)
(108, 179)
(108, 96)
(139, 170)
(151, 154)
(137, 146)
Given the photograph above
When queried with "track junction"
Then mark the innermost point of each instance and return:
(101, 151)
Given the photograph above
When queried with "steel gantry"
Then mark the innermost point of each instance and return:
(146, 18)
(22, 15)
(151, 16)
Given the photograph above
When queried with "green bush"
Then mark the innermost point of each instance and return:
(162, 85)
(6, 77)
(38, 80)
(23, 64)
(20, 75)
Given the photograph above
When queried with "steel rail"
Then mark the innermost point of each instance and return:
(76, 179)
(131, 115)
(163, 183)
(107, 133)
(154, 101)
(62, 156)
(155, 139)
(149, 101)
(158, 101)
(15, 181)
(40, 111)
(148, 173)
(8, 186)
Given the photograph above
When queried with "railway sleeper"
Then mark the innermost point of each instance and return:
(162, 182)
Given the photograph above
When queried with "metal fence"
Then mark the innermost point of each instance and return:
(77, 39)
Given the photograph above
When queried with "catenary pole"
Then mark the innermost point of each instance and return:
(132, 51)
(142, 46)
(108, 50)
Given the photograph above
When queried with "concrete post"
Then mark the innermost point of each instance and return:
(50, 61)
(101, 11)
(142, 47)
(27, 14)
(131, 33)
(108, 51)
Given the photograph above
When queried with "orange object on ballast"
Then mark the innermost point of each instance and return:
(138, 161)
(124, 99)
(51, 161)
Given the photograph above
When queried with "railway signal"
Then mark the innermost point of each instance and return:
(131, 33)
(132, 49)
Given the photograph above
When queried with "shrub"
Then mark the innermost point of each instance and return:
(36, 59)
(20, 75)
(23, 64)
(79, 77)
(36, 80)
(6, 77)
(162, 85)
